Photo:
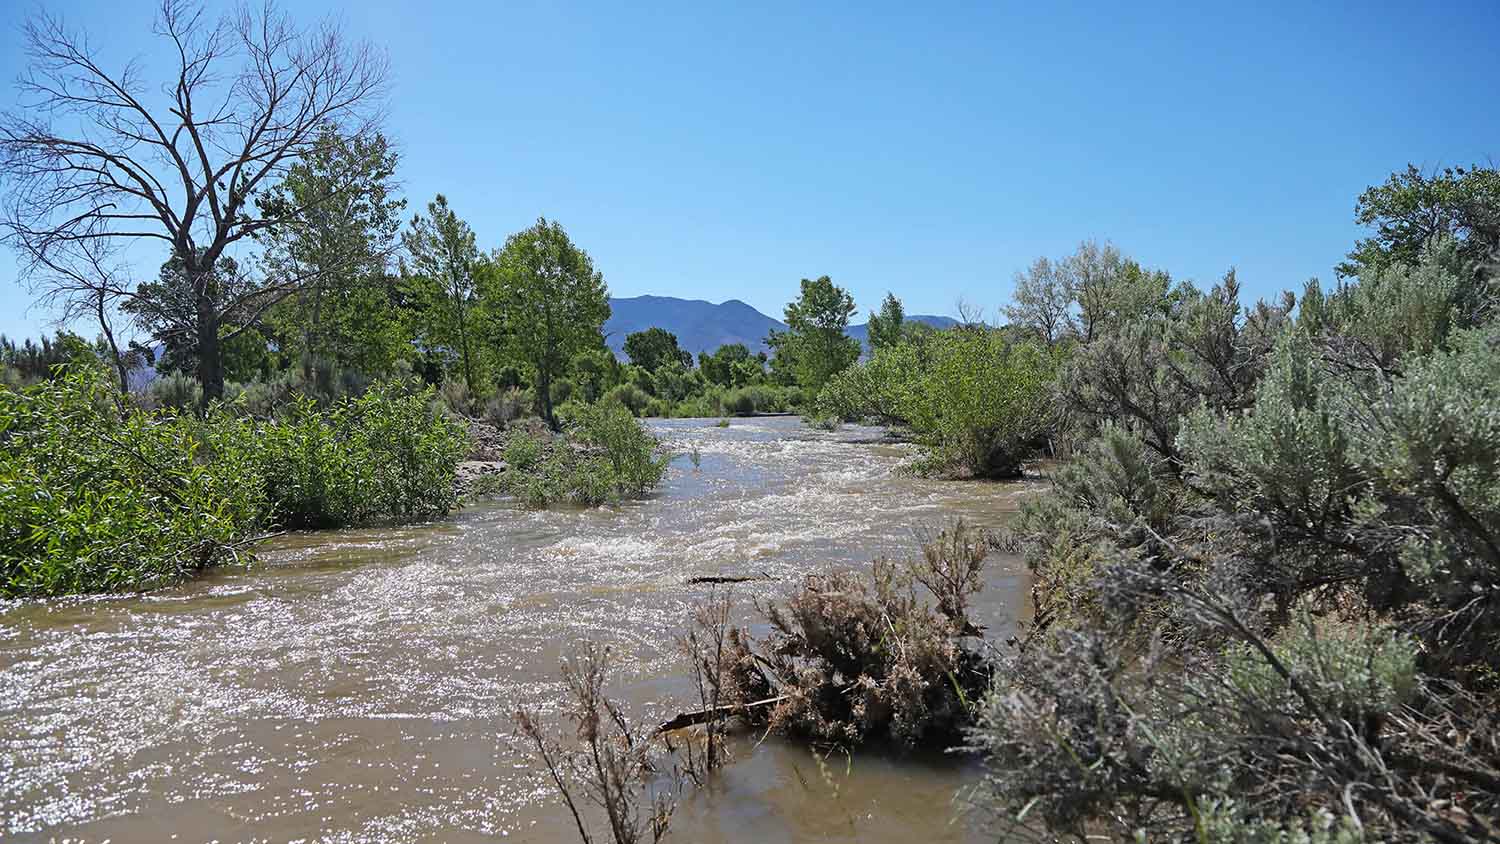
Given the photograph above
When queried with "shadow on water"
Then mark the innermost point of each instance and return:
(357, 685)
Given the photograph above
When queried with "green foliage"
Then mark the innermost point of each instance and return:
(815, 346)
(1042, 301)
(93, 500)
(976, 400)
(545, 303)
(981, 401)
(631, 452)
(732, 365)
(522, 451)
(605, 455)
(385, 457)
(630, 396)
(1266, 588)
(654, 348)
(438, 279)
(174, 390)
(347, 313)
(880, 389)
(885, 327)
(1412, 211)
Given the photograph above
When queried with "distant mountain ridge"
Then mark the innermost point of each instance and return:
(703, 326)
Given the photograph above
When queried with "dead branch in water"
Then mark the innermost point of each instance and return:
(702, 716)
(717, 579)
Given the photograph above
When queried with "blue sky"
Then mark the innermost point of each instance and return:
(724, 151)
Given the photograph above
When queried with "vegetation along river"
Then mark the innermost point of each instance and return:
(358, 685)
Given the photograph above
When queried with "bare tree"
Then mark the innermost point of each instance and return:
(94, 154)
(85, 281)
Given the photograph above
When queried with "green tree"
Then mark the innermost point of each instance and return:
(1412, 211)
(886, 324)
(815, 345)
(440, 278)
(654, 348)
(732, 365)
(346, 314)
(546, 303)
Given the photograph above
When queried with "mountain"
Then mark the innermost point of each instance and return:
(699, 325)
(704, 326)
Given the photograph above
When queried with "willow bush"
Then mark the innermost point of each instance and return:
(977, 399)
(94, 499)
(385, 457)
(97, 494)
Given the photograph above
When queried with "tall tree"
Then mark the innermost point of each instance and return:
(440, 277)
(815, 343)
(345, 314)
(654, 348)
(732, 365)
(546, 302)
(248, 96)
(885, 325)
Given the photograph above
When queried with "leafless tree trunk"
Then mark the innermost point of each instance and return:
(182, 164)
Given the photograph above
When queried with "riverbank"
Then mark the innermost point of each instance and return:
(358, 685)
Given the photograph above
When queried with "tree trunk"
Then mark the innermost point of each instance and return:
(544, 397)
(210, 355)
(463, 337)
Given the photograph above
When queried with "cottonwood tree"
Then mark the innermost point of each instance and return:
(815, 343)
(440, 275)
(345, 313)
(886, 324)
(98, 153)
(546, 303)
(654, 348)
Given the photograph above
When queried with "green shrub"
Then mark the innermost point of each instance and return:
(981, 402)
(384, 457)
(522, 451)
(172, 391)
(631, 396)
(631, 451)
(93, 499)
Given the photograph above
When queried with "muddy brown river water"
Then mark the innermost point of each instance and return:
(357, 686)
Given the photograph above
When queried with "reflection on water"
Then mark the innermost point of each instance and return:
(357, 686)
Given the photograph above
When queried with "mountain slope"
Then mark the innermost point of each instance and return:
(704, 326)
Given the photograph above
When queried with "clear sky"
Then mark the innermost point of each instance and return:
(722, 151)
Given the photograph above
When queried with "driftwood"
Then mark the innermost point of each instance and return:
(692, 581)
(699, 716)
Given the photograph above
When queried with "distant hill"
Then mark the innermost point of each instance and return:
(704, 326)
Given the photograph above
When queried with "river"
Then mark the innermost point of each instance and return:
(357, 685)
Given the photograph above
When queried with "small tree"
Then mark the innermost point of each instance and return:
(343, 245)
(1043, 301)
(546, 303)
